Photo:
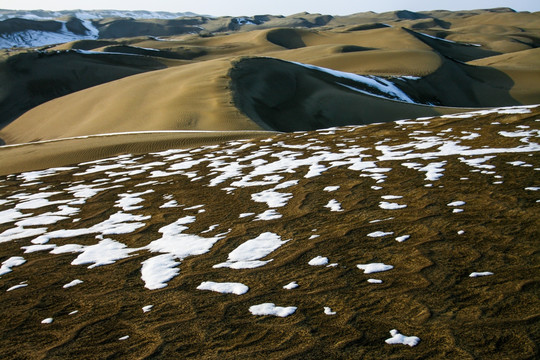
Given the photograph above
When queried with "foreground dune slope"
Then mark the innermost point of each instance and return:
(402, 240)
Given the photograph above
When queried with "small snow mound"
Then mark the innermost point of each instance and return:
(328, 311)
(333, 205)
(291, 285)
(477, 274)
(374, 267)
(402, 238)
(318, 260)
(398, 338)
(456, 203)
(73, 283)
(391, 206)
(272, 309)
(379, 234)
(224, 288)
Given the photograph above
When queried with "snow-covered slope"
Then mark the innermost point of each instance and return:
(31, 37)
(90, 14)
(20, 28)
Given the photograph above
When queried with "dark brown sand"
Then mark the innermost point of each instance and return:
(428, 294)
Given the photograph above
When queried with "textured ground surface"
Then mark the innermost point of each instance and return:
(436, 199)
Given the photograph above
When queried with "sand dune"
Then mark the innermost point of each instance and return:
(190, 97)
(30, 79)
(193, 90)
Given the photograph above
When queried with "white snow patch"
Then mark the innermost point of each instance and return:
(334, 205)
(477, 274)
(331, 188)
(106, 252)
(47, 321)
(147, 308)
(247, 255)
(402, 238)
(158, 270)
(21, 285)
(374, 267)
(380, 233)
(374, 281)
(272, 309)
(328, 311)
(243, 215)
(10, 263)
(224, 288)
(268, 215)
(169, 204)
(318, 261)
(391, 206)
(272, 198)
(291, 285)
(72, 283)
(398, 338)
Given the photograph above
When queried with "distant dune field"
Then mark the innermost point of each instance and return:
(221, 79)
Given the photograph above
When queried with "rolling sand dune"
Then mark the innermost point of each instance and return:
(30, 79)
(193, 90)
(191, 97)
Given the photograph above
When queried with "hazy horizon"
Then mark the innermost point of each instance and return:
(277, 7)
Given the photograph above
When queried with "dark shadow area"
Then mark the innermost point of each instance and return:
(368, 27)
(454, 50)
(431, 23)
(287, 38)
(30, 79)
(284, 96)
(182, 54)
(117, 28)
(460, 85)
(354, 48)
(16, 25)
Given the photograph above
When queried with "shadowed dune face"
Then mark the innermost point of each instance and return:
(288, 38)
(30, 79)
(289, 97)
(285, 96)
(456, 51)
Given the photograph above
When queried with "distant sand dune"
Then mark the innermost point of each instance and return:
(229, 77)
